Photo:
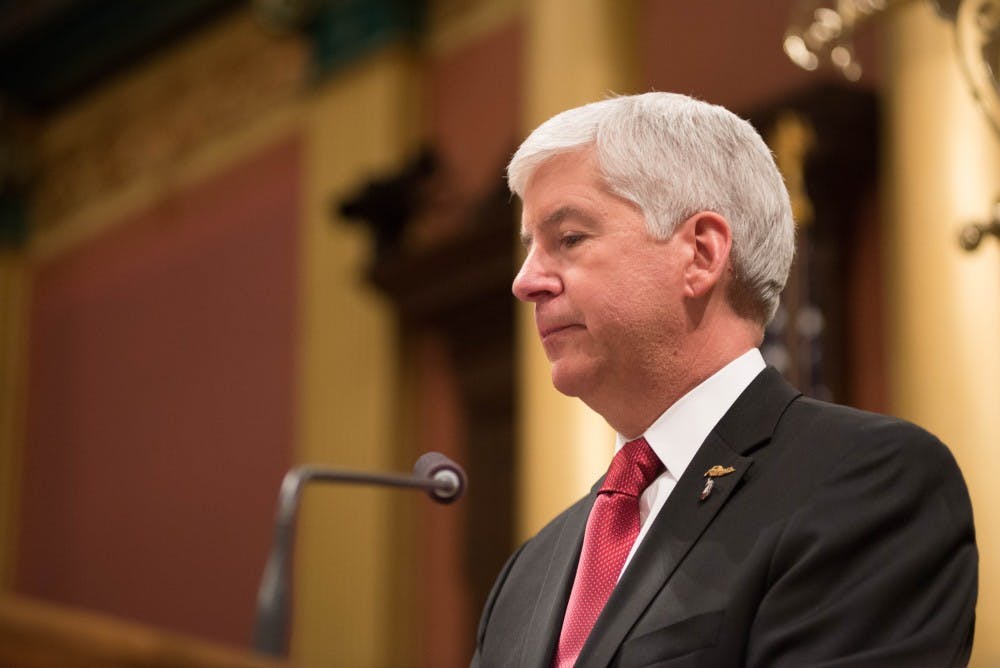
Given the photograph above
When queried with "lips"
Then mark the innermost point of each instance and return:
(548, 331)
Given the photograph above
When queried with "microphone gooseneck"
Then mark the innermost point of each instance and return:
(442, 479)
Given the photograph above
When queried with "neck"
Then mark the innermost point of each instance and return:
(632, 404)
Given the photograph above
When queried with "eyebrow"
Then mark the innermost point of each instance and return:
(556, 217)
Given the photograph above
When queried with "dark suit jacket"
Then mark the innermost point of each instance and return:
(843, 538)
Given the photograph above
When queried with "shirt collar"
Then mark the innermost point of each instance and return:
(677, 434)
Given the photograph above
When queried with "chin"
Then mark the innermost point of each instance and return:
(569, 380)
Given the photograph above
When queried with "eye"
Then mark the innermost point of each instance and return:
(571, 239)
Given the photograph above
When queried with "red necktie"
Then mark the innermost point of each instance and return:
(611, 530)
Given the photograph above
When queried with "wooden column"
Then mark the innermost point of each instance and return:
(345, 595)
(457, 331)
(943, 171)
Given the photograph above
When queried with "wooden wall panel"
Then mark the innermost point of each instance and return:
(160, 405)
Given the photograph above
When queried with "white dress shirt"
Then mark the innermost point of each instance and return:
(678, 433)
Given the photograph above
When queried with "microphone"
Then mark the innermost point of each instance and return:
(442, 479)
(448, 477)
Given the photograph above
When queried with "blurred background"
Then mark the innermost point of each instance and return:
(240, 236)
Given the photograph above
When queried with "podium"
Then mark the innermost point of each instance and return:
(36, 634)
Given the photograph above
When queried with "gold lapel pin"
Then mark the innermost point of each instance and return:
(711, 474)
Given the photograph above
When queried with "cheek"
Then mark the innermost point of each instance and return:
(641, 298)
(630, 299)
(627, 319)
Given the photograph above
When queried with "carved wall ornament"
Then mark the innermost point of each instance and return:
(154, 118)
(823, 31)
(792, 138)
(977, 47)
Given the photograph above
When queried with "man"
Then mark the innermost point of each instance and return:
(740, 523)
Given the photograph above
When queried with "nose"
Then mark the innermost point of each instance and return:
(536, 281)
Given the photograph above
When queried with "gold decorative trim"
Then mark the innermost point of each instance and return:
(152, 120)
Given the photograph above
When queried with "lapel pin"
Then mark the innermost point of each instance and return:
(710, 475)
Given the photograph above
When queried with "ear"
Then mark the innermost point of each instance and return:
(710, 239)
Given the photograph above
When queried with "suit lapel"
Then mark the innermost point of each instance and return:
(550, 605)
(684, 517)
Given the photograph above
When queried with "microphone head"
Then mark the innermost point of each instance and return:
(449, 477)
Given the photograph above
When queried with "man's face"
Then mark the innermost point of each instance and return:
(608, 295)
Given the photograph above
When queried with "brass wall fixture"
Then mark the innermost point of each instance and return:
(822, 31)
(976, 25)
(972, 234)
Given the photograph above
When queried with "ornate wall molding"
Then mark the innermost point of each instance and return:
(156, 117)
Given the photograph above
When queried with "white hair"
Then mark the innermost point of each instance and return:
(674, 156)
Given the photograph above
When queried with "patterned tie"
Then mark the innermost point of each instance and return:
(611, 530)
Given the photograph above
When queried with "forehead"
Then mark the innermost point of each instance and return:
(576, 168)
(570, 180)
(569, 187)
